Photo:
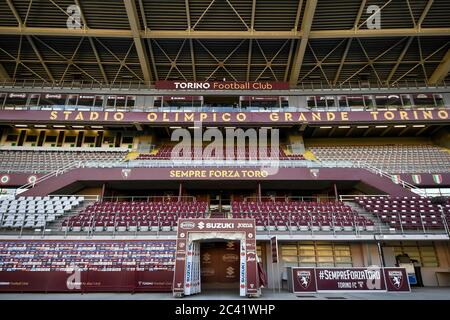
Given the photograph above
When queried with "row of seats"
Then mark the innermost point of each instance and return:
(134, 216)
(148, 207)
(289, 207)
(165, 152)
(126, 222)
(87, 255)
(395, 158)
(302, 216)
(49, 161)
(407, 213)
(35, 212)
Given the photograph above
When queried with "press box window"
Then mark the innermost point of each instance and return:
(50, 139)
(89, 139)
(127, 140)
(12, 138)
(108, 139)
(70, 139)
(31, 138)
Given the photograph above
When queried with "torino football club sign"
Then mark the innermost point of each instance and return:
(186, 280)
(221, 85)
(367, 279)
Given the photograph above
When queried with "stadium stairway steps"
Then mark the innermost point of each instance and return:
(57, 225)
(379, 227)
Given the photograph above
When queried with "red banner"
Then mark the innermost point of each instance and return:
(86, 281)
(221, 85)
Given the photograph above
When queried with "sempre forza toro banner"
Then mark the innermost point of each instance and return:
(370, 279)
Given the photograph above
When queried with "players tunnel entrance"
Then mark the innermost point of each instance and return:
(216, 254)
(219, 265)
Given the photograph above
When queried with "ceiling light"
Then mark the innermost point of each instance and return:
(362, 127)
(400, 126)
(381, 127)
(58, 126)
(344, 127)
(21, 126)
(419, 126)
(325, 127)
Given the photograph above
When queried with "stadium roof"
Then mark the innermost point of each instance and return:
(300, 41)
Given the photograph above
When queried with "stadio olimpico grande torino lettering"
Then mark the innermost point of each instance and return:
(236, 117)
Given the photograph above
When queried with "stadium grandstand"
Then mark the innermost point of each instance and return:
(191, 146)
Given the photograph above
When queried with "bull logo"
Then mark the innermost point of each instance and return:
(126, 173)
(396, 278)
(304, 278)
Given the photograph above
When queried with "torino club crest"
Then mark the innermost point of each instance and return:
(396, 278)
(304, 278)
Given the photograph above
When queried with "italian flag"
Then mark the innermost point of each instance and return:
(437, 178)
(396, 179)
(417, 178)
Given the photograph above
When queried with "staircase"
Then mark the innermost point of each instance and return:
(57, 225)
(379, 226)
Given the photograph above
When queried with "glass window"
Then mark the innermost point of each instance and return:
(50, 139)
(127, 140)
(98, 101)
(120, 101)
(86, 100)
(311, 102)
(330, 102)
(342, 101)
(16, 99)
(70, 139)
(53, 99)
(423, 253)
(110, 102)
(34, 99)
(89, 139)
(312, 254)
(12, 137)
(423, 100)
(439, 100)
(72, 100)
(108, 139)
(321, 102)
(31, 138)
(2, 98)
(131, 100)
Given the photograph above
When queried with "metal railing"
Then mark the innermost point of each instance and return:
(397, 223)
(207, 108)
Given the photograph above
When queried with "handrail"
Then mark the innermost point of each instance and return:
(43, 178)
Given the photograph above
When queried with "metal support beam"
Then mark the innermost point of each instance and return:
(341, 65)
(301, 47)
(229, 34)
(359, 15)
(3, 74)
(424, 13)
(399, 60)
(41, 60)
(252, 21)
(15, 13)
(442, 70)
(249, 59)
(130, 7)
(93, 47)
